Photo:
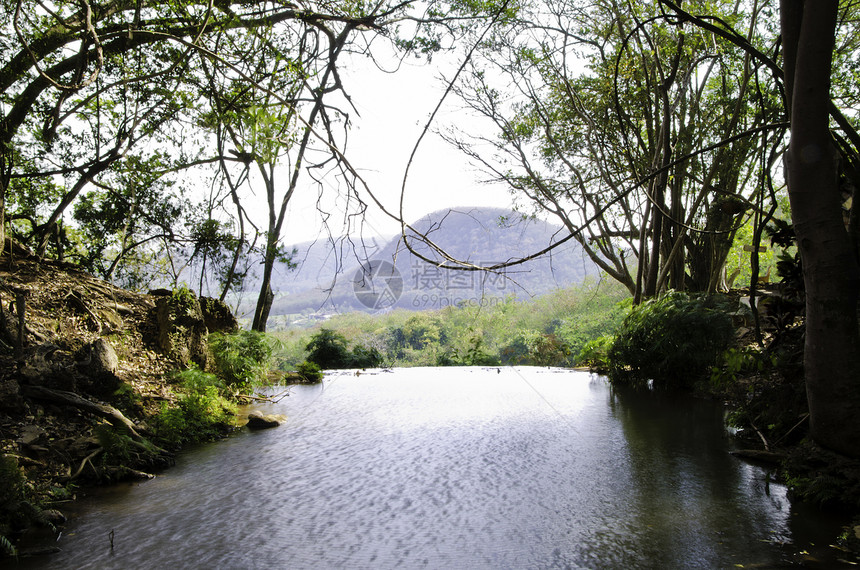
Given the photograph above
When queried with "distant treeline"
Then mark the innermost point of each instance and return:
(549, 330)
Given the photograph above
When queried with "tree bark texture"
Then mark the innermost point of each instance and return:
(830, 268)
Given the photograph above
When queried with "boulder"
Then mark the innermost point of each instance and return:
(182, 331)
(47, 365)
(259, 420)
(100, 364)
(218, 316)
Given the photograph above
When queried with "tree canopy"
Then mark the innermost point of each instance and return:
(109, 106)
(652, 131)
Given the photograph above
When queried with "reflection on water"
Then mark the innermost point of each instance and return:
(451, 467)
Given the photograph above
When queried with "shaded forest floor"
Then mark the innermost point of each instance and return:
(62, 401)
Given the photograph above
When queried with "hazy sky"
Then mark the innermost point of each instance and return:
(394, 109)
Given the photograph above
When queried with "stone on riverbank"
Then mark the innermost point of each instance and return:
(259, 420)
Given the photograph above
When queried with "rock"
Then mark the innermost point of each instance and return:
(181, 329)
(81, 447)
(217, 316)
(31, 434)
(10, 396)
(47, 365)
(100, 367)
(259, 420)
(54, 516)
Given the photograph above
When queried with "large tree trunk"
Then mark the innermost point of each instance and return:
(830, 268)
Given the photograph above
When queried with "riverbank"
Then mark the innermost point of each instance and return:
(83, 376)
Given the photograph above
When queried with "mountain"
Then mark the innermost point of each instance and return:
(346, 275)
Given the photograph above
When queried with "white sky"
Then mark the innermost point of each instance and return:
(394, 109)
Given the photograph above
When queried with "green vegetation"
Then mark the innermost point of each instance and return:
(672, 341)
(310, 372)
(241, 359)
(546, 331)
(328, 350)
(13, 490)
(19, 505)
(203, 410)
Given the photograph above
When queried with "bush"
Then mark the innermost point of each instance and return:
(595, 354)
(536, 348)
(13, 490)
(328, 350)
(472, 355)
(365, 357)
(202, 412)
(241, 359)
(310, 371)
(673, 341)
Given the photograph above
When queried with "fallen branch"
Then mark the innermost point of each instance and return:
(786, 434)
(25, 460)
(87, 459)
(118, 473)
(759, 455)
(73, 299)
(110, 413)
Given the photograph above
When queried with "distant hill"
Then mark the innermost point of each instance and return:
(379, 274)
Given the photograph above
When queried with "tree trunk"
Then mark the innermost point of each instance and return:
(5, 181)
(267, 296)
(264, 305)
(830, 269)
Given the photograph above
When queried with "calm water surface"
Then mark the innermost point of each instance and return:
(451, 468)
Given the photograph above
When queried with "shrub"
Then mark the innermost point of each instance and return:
(673, 341)
(310, 371)
(595, 354)
(365, 357)
(117, 446)
(202, 412)
(242, 358)
(537, 348)
(327, 349)
(13, 490)
(472, 355)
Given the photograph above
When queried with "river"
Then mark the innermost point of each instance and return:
(453, 468)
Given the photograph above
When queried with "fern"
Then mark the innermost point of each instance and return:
(7, 547)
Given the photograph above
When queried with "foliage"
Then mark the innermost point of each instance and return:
(127, 398)
(202, 413)
(328, 349)
(18, 505)
(473, 354)
(117, 446)
(13, 490)
(242, 358)
(364, 357)
(536, 348)
(554, 327)
(595, 354)
(310, 371)
(823, 478)
(673, 342)
(736, 362)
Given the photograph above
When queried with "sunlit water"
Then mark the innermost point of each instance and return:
(450, 468)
